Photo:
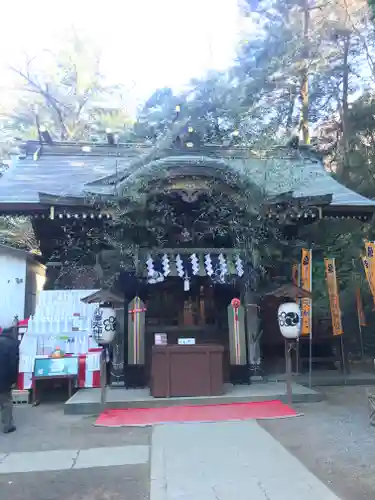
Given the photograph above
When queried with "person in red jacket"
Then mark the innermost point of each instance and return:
(9, 359)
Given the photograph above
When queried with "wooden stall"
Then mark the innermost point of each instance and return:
(187, 370)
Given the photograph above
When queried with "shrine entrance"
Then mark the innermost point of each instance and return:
(199, 314)
(188, 271)
(169, 311)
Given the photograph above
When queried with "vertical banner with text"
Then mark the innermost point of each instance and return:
(306, 284)
(369, 265)
(333, 294)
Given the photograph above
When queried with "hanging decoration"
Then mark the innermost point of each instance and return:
(239, 266)
(194, 264)
(208, 265)
(150, 266)
(104, 324)
(157, 277)
(186, 283)
(180, 266)
(217, 266)
(166, 266)
(223, 266)
(289, 319)
(154, 274)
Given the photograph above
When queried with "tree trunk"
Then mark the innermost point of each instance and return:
(291, 106)
(304, 90)
(345, 109)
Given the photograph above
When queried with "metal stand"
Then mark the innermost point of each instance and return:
(297, 356)
(310, 360)
(289, 391)
(343, 357)
(361, 339)
(103, 381)
(255, 373)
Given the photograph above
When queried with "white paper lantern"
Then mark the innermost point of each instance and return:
(289, 318)
(104, 324)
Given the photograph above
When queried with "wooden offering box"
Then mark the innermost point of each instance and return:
(187, 370)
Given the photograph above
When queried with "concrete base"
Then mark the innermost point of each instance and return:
(87, 401)
(328, 378)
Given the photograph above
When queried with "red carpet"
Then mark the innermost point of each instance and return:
(208, 413)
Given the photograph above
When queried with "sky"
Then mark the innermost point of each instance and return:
(146, 44)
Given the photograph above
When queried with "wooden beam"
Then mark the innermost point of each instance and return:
(189, 251)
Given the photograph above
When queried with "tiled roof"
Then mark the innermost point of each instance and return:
(73, 173)
(58, 175)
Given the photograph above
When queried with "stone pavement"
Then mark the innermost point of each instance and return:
(54, 457)
(226, 461)
(54, 460)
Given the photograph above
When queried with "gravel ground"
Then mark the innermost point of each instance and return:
(104, 483)
(45, 427)
(334, 440)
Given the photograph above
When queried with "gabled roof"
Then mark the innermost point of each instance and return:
(75, 170)
(18, 253)
(290, 291)
(101, 296)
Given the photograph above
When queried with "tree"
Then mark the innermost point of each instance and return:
(18, 232)
(67, 93)
(157, 114)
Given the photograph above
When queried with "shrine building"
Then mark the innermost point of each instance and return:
(178, 232)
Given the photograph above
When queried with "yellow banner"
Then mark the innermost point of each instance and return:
(306, 284)
(367, 268)
(360, 311)
(370, 266)
(333, 294)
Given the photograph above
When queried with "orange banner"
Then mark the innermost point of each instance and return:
(306, 284)
(367, 268)
(333, 294)
(370, 266)
(360, 311)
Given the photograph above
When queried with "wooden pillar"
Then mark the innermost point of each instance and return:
(188, 313)
(202, 307)
(253, 334)
(237, 335)
(136, 332)
(117, 369)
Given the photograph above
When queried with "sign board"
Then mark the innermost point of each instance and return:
(56, 367)
(160, 339)
(190, 341)
(78, 322)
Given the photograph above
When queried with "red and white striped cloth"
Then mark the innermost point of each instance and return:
(86, 377)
